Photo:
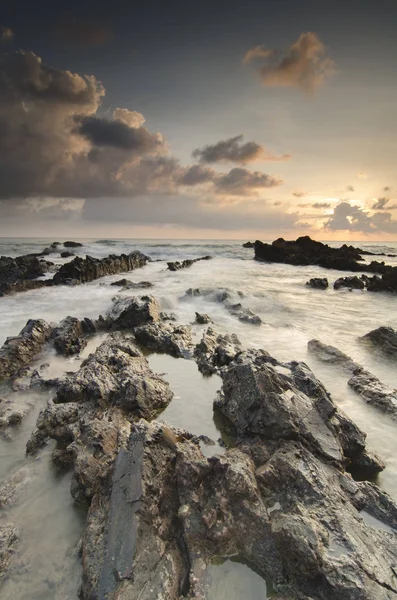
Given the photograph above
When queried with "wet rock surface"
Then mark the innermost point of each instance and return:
(166, 338)
(215, 351)
(84, 270)
(245, 315)
(21, 273)
(128, 313)
(369, 387)
(383, 339)
(202, 319)
(131, 285)
(354, 283)
(177, 265)
(19, 351)
(8, 541)
(318, 283)
(70, 336)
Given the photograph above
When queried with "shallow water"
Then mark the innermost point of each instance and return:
(292, 314)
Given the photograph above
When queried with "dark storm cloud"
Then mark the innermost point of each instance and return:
(304, 65)
(105, 132)
(241, 181)
(233, 150)
(85, 33)
(351, 218)
(383, 204)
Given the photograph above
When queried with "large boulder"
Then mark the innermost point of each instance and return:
(17, 352)
(70, 336)
(84, 270)
(354, 283)
(215, 351)
(128, 313)
(166, 338)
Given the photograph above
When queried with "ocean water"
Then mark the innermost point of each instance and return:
(292, 314)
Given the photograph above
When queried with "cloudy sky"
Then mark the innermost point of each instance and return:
(207, 120)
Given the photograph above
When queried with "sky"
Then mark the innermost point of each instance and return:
(217, 119)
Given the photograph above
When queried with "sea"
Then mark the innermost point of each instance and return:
(292, 314)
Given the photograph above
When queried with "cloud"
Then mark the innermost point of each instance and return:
(362, 175)
(6, 34)
(240, 181)
(350, 188)
(197, 175)
(383, 204)
(304, 65)
(386, 188)
(86, 33)
(116, 134)
(233, 150)
(347, 217)
(132, 118)
(257, 52)
(299, 194)
(321, 205)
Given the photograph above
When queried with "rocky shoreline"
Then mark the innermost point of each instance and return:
(280, 497)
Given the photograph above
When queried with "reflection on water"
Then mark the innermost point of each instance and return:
(231, 579)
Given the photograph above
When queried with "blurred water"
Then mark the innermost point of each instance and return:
(292, 314)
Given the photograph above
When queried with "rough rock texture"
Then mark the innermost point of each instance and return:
(369, 387)
(354, 282)
(175, 340)
(383, 339)
(83, 270)
(69, 337)
(117, 375)
(176, 266)
(21, 273)
(128, 313)
(8, 540)
(318, 283)
(13, 409)
(215, 351)
(19, 351)
(202, 319)
(131, 285)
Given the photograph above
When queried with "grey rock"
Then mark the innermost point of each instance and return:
(128, 313)
(69, 337)
(383, 339)
(318, 283)
(331, 355)
(8, 540)
(17, 352)
(175, 340)
(177, 265)
(215, 351)
(202, 319)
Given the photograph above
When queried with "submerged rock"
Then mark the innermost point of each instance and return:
(383, 339)
(84, 270)
(176, 266)
(9, 538)
(355, 283)
(369, 387)
(175, 340)
(202, 319)
(67, 254)
(131, 285)
(19, 351)
(223, 296)
(318, 283)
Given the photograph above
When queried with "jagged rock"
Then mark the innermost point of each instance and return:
(69, 337)
(354, 283)
(19, 351)
(13, 410)
(72, 244)
(176, 266)
(369, 387)
(21, 273)
(128, 313)
(249, 245)
(221, 295)
(131, 285)
(243, 314)
(166, 316)
(175, 340)
(318, 283)
(202, 319)
(215, 351)
(67, 254)
(9, 538)
(117, 375)
(84, 270)
(386, 283)
(384, 339)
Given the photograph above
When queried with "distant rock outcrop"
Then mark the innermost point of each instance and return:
(176, 266)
